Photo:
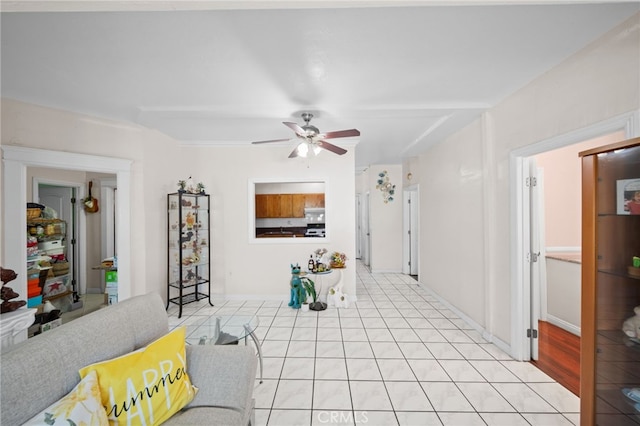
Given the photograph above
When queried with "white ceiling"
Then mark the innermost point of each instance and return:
(405, 76)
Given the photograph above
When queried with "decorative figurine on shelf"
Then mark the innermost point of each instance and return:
(190, 220)
(7, 293)
(186, 237)
(336, 297)
(298, 294)
(631, 326)
(321, 263)
(187, 185)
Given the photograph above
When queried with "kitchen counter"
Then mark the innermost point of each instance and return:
(280, 235)
(573, 257)
(288, 232)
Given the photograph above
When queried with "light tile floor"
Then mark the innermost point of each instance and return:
(395, 357)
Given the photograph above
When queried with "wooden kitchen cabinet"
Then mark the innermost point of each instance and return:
(314, 200)
(261, 206)
(268, 206)
(273, 205)
(610, 359)
(297, 204)
(286, 205)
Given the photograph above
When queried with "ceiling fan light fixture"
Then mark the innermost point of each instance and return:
(303, 149)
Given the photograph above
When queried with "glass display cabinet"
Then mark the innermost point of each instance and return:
(189, 249)
(610, 330)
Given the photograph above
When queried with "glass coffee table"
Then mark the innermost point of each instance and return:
(227, 330)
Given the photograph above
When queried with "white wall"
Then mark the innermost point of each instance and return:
(451, 222)
(239, 267)
(385, 221)
(563, 294)
(470, 172)
(261, 268)
(562, 170)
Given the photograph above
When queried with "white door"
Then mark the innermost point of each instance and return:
(62, 200)
(411, 211)
(366, 237)
(532, 202)
(358, 226)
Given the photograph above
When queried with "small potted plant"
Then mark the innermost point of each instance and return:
(310, 287)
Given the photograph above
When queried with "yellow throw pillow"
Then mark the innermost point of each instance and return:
(81, 406)
(147, 386)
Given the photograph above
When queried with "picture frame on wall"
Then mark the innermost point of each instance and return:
(628, 196)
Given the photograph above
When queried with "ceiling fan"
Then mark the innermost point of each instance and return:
(311, 138)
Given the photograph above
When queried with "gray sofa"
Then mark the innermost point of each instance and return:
(43, 369)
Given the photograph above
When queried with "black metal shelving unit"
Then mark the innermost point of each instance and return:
(189, 254)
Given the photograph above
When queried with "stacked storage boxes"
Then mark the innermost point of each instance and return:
(111, 278)
(51, 247)
(35, 282)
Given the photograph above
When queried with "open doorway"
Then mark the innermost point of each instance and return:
(555, 242)
(537, 297)
(16, 162)
(411, 235)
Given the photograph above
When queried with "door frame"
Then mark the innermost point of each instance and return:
(81, 227)
(520, 289)
(411, 230)
(365, 234)
(107, 221)
(358, 226)
(16, 159)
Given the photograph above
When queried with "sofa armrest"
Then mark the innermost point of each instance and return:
(224, 375)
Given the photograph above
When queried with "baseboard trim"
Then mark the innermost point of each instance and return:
(489, 337)
(567, 326)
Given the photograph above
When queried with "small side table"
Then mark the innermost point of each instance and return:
(227, 330)
(319, 281)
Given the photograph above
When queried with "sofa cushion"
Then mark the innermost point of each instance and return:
(81, 406)
(146, 386)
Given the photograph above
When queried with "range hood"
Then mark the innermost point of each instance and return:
(314, 215)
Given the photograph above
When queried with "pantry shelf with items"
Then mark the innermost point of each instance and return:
(188, 248)
(50, 283)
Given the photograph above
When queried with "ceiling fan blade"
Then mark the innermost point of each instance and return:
(294, 153)
(341, 134)
(293, 126)
(269, 141)
(331, 147)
